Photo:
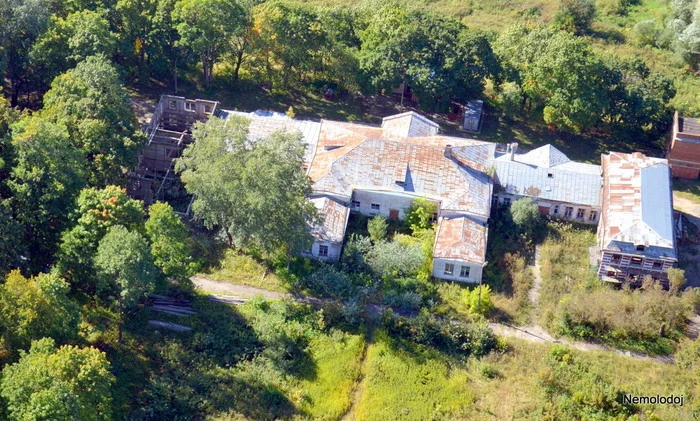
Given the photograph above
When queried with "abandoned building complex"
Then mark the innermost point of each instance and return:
(381, 170)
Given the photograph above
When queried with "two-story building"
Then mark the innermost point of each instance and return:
(560, 187)
(635, 235)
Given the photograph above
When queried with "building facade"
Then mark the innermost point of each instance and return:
(684, 148)
(636, 236)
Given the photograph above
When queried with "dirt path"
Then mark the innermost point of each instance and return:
(534, 293)
(237, 295)
(359, 387)
(226, 288)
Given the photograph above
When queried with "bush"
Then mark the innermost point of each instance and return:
(407, 301)
(524, 212)
(676, 278)
(354, 252)
(377, 228)
(645, 33)
(394, 259)
(452, 338)
(575, 16)
(328, 281)
(614, 7)
(420, 214)
(511, 99)
(479, 300)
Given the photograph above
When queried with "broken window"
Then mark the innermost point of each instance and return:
(636, 261)
(616, 258)
(449, 269)
(657, 265)
(172, 105)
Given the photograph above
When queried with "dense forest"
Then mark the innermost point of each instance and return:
(80, 260)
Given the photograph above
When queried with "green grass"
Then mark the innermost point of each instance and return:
(338, 358)
(242, 269)
(687, 189)
(410, 382)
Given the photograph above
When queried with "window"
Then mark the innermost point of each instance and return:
(640, 248)
(464, 272)
(356, 204)
(568, 212)
(323, 251)
(449, 269)
(172, 105)
(593, 215)
(556, 210)
(207, 109)
(375, 208)
(550, 175)
(495, 199)
(636, 261)
(189, 106)
(580, 213)
(616, 258)
(657, 266)
(506, 201)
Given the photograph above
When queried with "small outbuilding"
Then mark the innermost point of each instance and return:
(472, 116)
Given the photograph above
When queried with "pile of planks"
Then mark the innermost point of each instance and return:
(171, 305)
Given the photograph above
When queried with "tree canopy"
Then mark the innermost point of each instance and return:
(92, 103)
(169, 239)
(60, 384)
(37, 307)
(233, 179)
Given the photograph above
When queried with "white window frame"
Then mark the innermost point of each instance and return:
(374, 208)
(449, 269)
(189, 106)
(462, 270)
(323, 250)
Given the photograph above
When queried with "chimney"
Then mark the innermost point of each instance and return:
(512, 149)
(448, 151)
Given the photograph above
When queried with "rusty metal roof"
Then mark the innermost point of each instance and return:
(263, 123)
(335, 219)
(637, 205)
(427, 171)
(460, 238)
(547, 173)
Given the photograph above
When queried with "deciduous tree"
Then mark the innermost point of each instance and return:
(206, 26)
(46, 177)
(169, 239)
(93, 104)
(32, 308)
(125, 268)
(59, 384)
(253, 190)
(97, 211)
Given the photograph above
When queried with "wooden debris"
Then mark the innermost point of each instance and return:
(170, 326)
(228, 299)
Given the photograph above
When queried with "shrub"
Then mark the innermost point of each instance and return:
(407, 301)
(614, 7)
(479, 300)
(394, 259)
(420, 213)
(524, 212)
(377, 228)
(354, 252)
(676, 277)
(452, 338)
(511, 99)
(328, 281)
(645, 33)
(575, 15)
